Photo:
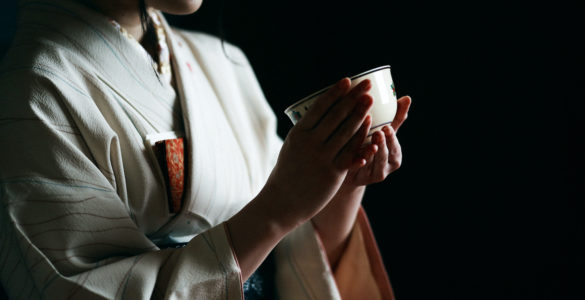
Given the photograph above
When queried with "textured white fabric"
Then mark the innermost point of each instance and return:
(83, 203)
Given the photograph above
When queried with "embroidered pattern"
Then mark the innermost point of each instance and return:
(164, 59)
(174, 156)
(296, 115)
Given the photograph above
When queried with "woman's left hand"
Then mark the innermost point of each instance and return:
(384, 155)
(335, 222)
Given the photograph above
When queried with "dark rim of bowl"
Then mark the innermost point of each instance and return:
(323, 90)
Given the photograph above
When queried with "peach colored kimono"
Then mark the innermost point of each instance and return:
(84, 207)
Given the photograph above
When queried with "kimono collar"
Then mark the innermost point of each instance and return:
(162, 64)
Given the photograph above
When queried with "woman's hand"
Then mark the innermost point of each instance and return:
(318, 152)
(312, 164)
(384, 155)
(335, 222)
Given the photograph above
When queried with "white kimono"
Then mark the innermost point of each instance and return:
(83, 200)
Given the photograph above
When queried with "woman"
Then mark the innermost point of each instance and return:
(140, 162)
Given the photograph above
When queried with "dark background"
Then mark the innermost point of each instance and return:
(489, 201)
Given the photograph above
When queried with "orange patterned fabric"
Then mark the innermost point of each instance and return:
(171, 156)
(174, 155)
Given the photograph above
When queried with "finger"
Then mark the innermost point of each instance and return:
(403, 105)
(394, 148)
(369, 151)
(365, 156)
(381, 158)
(347, 156)
(350, 125)
(341, 110)
(323, 103)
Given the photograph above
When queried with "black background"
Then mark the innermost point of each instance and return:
(489, 201)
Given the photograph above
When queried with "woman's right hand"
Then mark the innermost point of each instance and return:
(318, 152)
(312, 164)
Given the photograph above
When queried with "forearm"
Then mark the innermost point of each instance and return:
(335, 222)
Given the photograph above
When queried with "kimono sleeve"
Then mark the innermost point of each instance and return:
(303, 270)
(66, 232)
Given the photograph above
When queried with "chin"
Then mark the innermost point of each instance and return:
(176, 7)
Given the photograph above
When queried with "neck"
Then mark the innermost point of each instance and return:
(125, 12)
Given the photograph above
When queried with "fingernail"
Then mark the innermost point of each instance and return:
(374, 138)
(366, 85)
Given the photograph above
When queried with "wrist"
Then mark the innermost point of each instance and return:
(275, 216)
(254, 231)
(335, 222)
(351, 191)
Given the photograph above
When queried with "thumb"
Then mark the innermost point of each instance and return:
(401, 111)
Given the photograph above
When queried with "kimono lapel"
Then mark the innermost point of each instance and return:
(215, 187)
(120, 63)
